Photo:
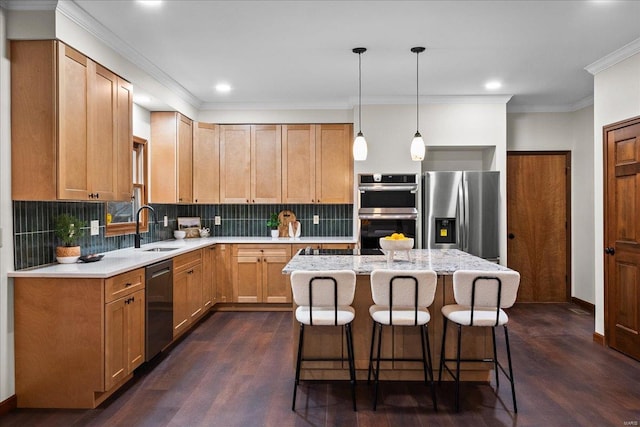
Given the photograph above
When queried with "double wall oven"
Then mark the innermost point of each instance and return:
(387, 205)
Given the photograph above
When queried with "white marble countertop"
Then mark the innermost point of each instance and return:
(442, 261)
(123, 260)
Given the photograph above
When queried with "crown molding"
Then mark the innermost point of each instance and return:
(208, 106)
(614, 57)
(431, 99)
(80, 17)
(570, 108)
(28, 4)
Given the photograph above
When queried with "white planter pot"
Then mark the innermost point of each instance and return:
(275, 233)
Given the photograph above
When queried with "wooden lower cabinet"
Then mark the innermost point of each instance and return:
(257, 273)
(187, 291)
(77, 340)
(209, 291)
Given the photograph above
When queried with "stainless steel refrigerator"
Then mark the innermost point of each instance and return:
(460, 210)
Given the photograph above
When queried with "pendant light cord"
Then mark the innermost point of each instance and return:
(360, 92)
(417, 92)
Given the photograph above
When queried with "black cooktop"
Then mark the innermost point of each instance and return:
(362, 251)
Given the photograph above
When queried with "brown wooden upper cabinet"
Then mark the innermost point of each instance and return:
(206, 163)
(317, 163)
(250, 163)
(171, 158)
(71, 126)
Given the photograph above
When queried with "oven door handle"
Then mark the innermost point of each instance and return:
(388, 216)
(411, 188)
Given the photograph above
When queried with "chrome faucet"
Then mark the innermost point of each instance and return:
(137, 237)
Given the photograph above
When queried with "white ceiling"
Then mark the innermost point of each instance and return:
(297, 54)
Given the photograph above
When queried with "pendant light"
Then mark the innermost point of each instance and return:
(417, 145)
(359, 144)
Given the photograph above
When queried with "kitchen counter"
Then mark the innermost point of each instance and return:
(442, 261)
(123, 260)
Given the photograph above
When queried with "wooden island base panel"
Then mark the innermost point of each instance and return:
(327, 342)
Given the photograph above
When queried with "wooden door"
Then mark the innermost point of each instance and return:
(538, 228)
(298, 164)
(103, 133)
(74, 75)
(180, 301)
(135, 309)
(247, 276)
(334, 164)
(206, 163)
(208, 277)
(185, 159)
(622, 236)
(275, 285)
(223, 274)
(124, 141)
(194, 292)
(115, 359)
(266, 164)
(163, 160)
(235, 163)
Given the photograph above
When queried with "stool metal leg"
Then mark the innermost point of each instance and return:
(373, 335)
(298, 362)
(352, 365)
(376, 373)
(428, 373)
(513, 388)
(458, 369)
(442, 354)
(495, 356)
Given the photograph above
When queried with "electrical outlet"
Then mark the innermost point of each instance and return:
(217, 220)
(316, 219)
(166, 221)
(95, 227)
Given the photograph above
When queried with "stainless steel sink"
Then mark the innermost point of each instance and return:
(161, 249)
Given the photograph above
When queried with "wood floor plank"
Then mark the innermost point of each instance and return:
(236, 369)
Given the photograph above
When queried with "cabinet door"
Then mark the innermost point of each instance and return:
(266, 163)
(334, 164)
(208, 277)
(194, 292)
(275, 285)
(135, 309)
(180, 302)
(74, 76)
(124, 141)
(163, 158)
(206, 163)
(235, 163)
(103, 132)
(115, 358)
(298, 163)
(223, 274)
(247, 276)
(185, 159)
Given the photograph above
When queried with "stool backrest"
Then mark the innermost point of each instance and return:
(486, 289)
(403, 288)
(316, 288)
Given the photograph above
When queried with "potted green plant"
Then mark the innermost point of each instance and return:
(273, 222)
(68, 229)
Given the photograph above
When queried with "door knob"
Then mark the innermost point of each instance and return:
(609, 251)
(511, 236)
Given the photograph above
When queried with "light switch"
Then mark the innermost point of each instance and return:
(316, 219)
(95, 227)
(217, 220)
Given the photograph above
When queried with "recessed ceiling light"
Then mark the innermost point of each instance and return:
(493, 85)
(150, 3)
(223, 87)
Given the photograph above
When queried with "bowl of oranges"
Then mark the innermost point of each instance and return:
(396, 242)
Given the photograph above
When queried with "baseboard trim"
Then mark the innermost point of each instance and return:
(598, 339)
(8, 405)
(584, 305)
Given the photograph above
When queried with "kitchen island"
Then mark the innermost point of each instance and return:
(327, 342)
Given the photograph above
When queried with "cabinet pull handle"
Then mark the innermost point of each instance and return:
(126, 285)
(97, 195)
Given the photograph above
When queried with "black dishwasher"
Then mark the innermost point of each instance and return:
(159, 309)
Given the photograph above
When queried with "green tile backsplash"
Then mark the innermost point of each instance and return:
(35, 242)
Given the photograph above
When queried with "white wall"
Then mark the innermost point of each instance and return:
(616, 98)
(141, 122)
(566, 132)
(7, 381)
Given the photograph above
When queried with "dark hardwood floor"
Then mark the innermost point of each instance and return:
(235, 369)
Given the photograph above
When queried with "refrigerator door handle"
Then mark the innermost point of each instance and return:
(461, 230)
(465, 214)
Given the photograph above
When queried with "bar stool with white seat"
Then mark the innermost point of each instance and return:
(401, 298)
(480, 298)
(324, 298)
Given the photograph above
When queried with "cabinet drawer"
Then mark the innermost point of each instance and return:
(188, 260)
(123, 284)
(261, 251)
